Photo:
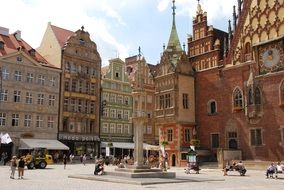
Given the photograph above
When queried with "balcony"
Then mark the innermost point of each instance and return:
(80, 95)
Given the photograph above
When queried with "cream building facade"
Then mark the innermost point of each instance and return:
(77, 56)
(29, 101)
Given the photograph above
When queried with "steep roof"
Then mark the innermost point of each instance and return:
(174, 44)
(61, 34)
(12, 44)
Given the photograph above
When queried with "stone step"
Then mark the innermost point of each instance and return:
(142, 174)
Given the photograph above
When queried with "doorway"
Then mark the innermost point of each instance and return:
(173, 160)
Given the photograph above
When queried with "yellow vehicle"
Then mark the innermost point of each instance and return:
(38, 159)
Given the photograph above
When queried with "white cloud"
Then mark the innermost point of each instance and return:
(216, 9)
(163, 5)
(32, 16)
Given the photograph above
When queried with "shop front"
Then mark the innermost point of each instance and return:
(81, 144)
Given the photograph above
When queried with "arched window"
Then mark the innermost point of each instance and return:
(257, 96)
(238, 98)
(282, 92)
(250, 97)
(212, 107)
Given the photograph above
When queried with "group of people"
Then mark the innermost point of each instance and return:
(239, 167)
(17, 163)
(274, 170)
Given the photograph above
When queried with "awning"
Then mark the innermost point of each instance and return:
(129, 145)
(42, 143)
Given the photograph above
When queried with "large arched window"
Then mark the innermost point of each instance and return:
(257, 96)
(238, 98)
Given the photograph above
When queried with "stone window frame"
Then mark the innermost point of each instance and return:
(3, 119)
(209, 107)
(170, 134)
(105, 128)
(237, 102)
(187, 134)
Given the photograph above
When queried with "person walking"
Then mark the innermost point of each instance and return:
(84, 159)
(64, 161)
(21, 167)
(13, 166)
(71, 158)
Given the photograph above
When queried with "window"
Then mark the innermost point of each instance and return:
(30, 77)
(87, 87)
(2, 119)
(126, 129)
(80, 103)
(39, 121)
(119, 114)
(119, 129)
(93, 89)
(282, 92)
(18, 75)
(74, 85)
(80, 86)
(29, 98)
(66, 85)
(250, 97)
(170, 135)
(185, 101)
(116, 74)
(4, 96)
(40, 80)
(112, 113)
(212, 107)
(162, 102)
(105, 128)
(28, 121)
(17, 96)
(50, 121)
(126, 100)
(126, 114)
(281, 131)
(168, 100)
(119, 99)
(73, 104)
(15, 120)
(105, 112)
(52, 81)
(112, 128)
(67, 66)
(255, 137)
(187, 135)
(40, 98)
(215, 140)
(92, 107)
(112, 98)
(5, 74)
(65, 105)
(238, 98)
(257, 96)
(51, 100)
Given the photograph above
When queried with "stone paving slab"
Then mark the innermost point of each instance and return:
(141, 181)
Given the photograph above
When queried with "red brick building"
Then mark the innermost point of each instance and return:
(239, 80)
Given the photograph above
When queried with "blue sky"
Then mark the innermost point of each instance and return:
(118, 27)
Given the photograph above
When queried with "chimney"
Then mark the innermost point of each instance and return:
(17, 34)
(4, 31)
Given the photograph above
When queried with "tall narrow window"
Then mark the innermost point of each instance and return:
(257, 96)
(170, 135)
(29, 98)
(162, 102)
(39, 121)
(282, 92)
(2, 119)
(185, 101)
(15, 120)
(30, 77)
(28, 121)
(5, 74)
(40, 80)
(4, 96)
(17, 96)
(18, 75)
(212, 107)
(238, 98)
(255, 137)
(40, 98)
(250, 96)
(51, 101)
(50, 121)
(187, 135)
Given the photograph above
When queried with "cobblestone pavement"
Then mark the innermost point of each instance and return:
(54, 177)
